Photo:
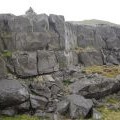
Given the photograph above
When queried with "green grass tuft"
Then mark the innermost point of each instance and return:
(6, 53)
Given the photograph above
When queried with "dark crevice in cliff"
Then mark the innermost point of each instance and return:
(37, 62)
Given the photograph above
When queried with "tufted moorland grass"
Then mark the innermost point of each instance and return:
(108, 114)
(107, 71)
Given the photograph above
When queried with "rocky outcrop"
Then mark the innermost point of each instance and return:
(41, 62)
(33, 32)
(95, 87)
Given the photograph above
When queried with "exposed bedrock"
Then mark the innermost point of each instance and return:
(73, 42)
(41, 63)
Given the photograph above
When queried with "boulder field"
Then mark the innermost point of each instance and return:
(42, 61)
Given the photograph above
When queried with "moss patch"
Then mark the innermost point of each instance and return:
(6, 53)
(24, 117)
(20, 117)
(107, 71)
(67, 82)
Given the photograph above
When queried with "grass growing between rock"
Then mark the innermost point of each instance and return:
(20, 117)
(107, 71)
(67, 82)
(6, 53)
(86, 49)
(108, 114)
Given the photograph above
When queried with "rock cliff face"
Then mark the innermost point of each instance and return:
(38, 43)
(34, 45)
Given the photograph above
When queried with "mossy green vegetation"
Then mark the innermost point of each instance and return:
(20, 117)
(108, 114)
(6, 53)
(112, 100)
(67, 82)
(24, 117)
(110, 110)
(6, 35)
(107, 71)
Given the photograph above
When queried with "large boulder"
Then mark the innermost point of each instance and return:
(47, 62)
(95, 87)
(12, 93)
(76, 106)
(38, 102)
(24, 64)
(79, 106)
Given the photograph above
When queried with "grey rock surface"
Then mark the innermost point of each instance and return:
(95, 87)
(38, 102)
(57, 23)
(24, 63)
(90, 58)
(12, 93)
(62, 107)
(45, 52)
(3, 70)
(47, 62)
(79, 106)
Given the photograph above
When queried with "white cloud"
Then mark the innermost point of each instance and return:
(74, 10)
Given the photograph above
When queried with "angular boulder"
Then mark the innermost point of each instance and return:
(47, 62)
(96, 87)
(24, 63)
(38, 102)
(63, 106)
(79, 106)
(12, 93)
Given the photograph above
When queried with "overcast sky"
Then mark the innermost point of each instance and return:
(73, 10)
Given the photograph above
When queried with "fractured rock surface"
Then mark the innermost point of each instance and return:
(41, 63)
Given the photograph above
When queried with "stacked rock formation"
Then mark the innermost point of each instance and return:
(43, 48)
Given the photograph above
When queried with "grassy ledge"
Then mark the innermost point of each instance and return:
(107, 71)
